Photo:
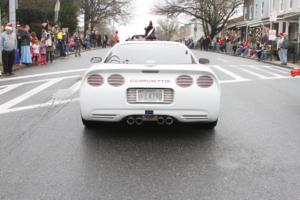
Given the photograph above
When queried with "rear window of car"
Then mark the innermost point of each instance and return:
(147, 53)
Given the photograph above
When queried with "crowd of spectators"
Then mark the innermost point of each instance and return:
(40, 48)
(260, 48)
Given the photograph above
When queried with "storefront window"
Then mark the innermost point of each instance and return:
(281, 5)
(291, 3)
(251, 12)
(256, 10)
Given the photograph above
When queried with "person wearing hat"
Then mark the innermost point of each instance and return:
(7, 47)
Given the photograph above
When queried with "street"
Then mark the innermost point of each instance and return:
(253, 153)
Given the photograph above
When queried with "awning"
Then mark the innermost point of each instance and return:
(259, 23)
(242, 24)
(291, 15)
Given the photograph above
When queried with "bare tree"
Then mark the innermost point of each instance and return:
(214, 14)
(46, 5)
(166, 29)
(99, 10)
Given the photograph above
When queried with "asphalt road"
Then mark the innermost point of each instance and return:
(253, 153)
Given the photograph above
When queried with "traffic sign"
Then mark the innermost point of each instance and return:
(272, 34)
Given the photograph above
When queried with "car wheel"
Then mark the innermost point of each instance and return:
(87, 123)
(210, 125)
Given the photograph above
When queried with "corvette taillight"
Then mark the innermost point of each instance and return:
(116, 80)
(184, 81)
(95, 80)
(205, 81)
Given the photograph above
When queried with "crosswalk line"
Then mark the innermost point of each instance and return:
(280, 68)
(74, 88)
(40, 81)
(43, 74)
(233, 75)
(36, 106)
(66, 93)
(9, 88)
(266, 70)
(255, 74)
(284, 71)
(28, 94)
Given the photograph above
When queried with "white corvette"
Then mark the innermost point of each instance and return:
(153, 81)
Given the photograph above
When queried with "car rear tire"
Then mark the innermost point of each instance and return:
(210, 125)
(88, 124)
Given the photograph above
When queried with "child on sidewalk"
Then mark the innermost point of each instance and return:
(43, 53)
(35, 52)
(35, 49)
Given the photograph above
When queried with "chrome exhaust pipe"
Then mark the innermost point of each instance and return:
(139, 121)
(130, 121)
(161, 120)
(169, 121)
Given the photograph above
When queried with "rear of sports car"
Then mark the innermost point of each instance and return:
(162, 94)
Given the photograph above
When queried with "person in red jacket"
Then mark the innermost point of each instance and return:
(222, 44)
(115, 39)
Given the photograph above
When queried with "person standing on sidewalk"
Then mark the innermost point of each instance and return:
(50, 46)
(282, 46)
(8, 45)
(25, 46)
(59, 37)
(78, 43)
(105, 40)
(115, 39)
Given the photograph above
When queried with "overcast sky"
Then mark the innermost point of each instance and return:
(140, 19)
(141, 15)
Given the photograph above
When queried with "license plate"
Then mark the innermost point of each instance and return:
(150, 96)
(149, 118)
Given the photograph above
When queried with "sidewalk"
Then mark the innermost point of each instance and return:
(290, 65)
(21, 66)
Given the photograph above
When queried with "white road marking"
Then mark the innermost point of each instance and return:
(74, 88)
(266, 70)
(44, 105)
(28, 94)
(55, 103)
(39, 81)
(280, 68)
(9, 88)
(255, 74)
(66, 93)
(223, 60)
(276, 69)
(43, 74)
(6, 108)
(233, 75)
(233, 81)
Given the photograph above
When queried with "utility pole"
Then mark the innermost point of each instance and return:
(12, 13)
(0, 34)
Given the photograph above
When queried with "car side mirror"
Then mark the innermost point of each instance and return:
(203, 61)
(96, 60)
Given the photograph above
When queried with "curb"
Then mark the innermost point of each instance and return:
(17, 67)
(263, 61)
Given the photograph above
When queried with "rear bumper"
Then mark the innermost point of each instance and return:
(191, 104)
(117, 115)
